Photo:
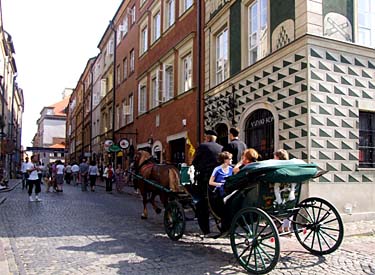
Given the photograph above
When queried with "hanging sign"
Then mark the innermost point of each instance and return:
(124, 143)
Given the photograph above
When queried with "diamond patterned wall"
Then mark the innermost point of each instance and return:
(338, 81)
(315, 92)
(284, 85)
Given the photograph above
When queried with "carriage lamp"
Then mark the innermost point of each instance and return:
(150, 141)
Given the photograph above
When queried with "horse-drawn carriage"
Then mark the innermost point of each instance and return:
(259, 198)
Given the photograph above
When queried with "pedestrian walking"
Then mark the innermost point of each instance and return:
(119, 178)
(68, 173)
(236, 146)
(33, 180)
(75, 173)
(205, 161)
(108, 176)
(93, 173)
(25, 175)
(59, 176)
(83, 174)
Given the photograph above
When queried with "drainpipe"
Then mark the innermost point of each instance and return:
(83, 121)
(11, 121)
(199, 77)
(91, 104)
(113, 28)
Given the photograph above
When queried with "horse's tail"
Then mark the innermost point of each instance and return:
(174, 179)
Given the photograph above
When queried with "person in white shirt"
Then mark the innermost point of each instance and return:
(59, 175)
(33, 179)
(75, 171)
(24, 172)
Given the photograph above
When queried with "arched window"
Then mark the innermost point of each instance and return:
(259, 132)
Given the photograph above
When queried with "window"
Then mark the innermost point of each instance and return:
(125, 66)
(103, 87)
(257, 36)
(131, 109)
(142, 99)
(186, 4)
(125, 110)
(187, 73)
(132, 61)
(156, 27)
(144, 44)
(132, 15)
(366, 139)
(155, 91)
(110, 116)
(118, 74)
(124, 26)
(170, 12)
(118, 115)
(142, 2)
(168, 82)
(222, 56)
(366, 23)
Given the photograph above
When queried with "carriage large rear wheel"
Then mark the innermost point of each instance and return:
(318, 226)
(255, 241)
(174, 220)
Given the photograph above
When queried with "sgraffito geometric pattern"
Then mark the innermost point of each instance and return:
(316, 93)
(338, 80)
(284, 85)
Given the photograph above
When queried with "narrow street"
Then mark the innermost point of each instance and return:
(99, 233)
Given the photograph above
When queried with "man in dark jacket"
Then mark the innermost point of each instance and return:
(204, 162)
(236, 147)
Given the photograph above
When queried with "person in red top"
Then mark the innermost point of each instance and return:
(109, 176)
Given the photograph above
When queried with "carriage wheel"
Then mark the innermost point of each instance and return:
(174, 220)
(255, 240)
(318, 226)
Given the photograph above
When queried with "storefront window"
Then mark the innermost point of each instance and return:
(259, 133)
(367, 139)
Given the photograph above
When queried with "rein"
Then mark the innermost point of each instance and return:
(144, 163)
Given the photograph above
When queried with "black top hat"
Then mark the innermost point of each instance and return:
(210, 133)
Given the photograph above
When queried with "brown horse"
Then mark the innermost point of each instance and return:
(164, 175)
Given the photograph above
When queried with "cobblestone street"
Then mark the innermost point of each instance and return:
(97, 233)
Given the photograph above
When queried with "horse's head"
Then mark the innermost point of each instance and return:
(140, 157)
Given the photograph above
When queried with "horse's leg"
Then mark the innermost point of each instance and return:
(145, 213)
(152, 200)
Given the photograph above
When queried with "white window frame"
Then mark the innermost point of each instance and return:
(132, 15)
(118, 113)
(132, 61)
(222, 57)
(366, 24)
(260, 32)
(144, 39)
(185, 5)
(170, 13)
(118, 74)
(154, 91)
(142, 98)
(125, 26)
(168, 82)
(156, 26)
(131, 109)
(187, 72)
(125, 67)
(123, 117)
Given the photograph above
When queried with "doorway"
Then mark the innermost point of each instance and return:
(259, 133)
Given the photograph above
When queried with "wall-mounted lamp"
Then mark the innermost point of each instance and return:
(150, 141)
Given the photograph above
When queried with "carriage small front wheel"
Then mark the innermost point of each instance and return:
(174, 220)
(318, 226)
(255, 240)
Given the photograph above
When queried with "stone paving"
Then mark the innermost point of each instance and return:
(78, 232)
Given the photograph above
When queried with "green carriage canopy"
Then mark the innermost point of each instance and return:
(281, 171)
